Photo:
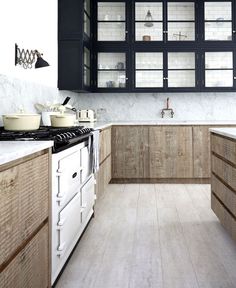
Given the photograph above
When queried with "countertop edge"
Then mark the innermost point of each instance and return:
(14, 150)
(227, 132)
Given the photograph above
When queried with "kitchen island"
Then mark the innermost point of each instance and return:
(223, 177)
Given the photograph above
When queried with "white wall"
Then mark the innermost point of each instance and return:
(32, 25)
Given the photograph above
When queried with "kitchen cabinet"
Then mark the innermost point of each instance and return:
(24, 224)
(170, 152)
(74, 45)
(223, 183)
(147, 46)
(130, 152)
(201, 152)
(103, 176)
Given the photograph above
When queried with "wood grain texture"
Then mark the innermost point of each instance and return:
(170, 152)
(23, 202)
(103, 177)
(224, 147)
(224, 193)
(30, 267)
(104, 144)
(130, 152)
(201, 152)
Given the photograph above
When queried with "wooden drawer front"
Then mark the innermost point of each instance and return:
(227, 196)
(225, 171)
(30, 267)
(23, 203)
(224, 216)
(224, 147)
(105, 144)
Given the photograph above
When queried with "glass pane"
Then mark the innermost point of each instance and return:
(181, 78)
(218, 60)
(181, 31)
(149, 79)
(149, 60)
(218, 11)
(86, 76)
(111, 11)
(86, 57)
(141, 11)
(86, 24)
(111, 79)
(143, 33)
(87, 6)
(181, 60)
(219, 78)
(111, 31)
(218, 31)
(183, 11)
(111, 61)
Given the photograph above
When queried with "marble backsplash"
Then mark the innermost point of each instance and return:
(15, 93)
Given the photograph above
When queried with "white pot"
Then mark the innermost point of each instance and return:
(63, 120)
(21, 122)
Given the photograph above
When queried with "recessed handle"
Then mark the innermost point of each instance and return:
(74, 175)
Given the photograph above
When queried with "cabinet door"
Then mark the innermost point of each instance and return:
(170, 152)
(180, 21)
(111, 21)
(149, 21)
(130, 152)
(104, 144)
(201, 152)
(219, 70)
(218, 21)
(111, 70)
(181, 70)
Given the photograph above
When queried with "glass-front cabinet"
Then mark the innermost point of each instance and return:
(147, 46)
(111, 21)
(111, 70)
(218, 24)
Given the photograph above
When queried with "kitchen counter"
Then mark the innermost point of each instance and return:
(13, 150)
(228, 132)
(103, 125)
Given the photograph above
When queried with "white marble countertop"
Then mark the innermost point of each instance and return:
(228, 132)
(13, 150)
(103, 125)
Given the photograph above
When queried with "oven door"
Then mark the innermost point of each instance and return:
(68, 172)
(69, 225)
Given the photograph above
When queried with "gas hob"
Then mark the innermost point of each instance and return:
(63, 137)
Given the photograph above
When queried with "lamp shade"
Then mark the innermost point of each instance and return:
(41, 63)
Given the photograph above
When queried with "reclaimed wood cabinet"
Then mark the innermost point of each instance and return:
(170, 152)
(24, 213)
(130, 152)
(223, 181)
(103, 176)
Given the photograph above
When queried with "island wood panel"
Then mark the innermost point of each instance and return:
(103, 177)
(130, 152)
(201, 152)
(104, 144)
(224, 147)
(170, 152)
(224, 193)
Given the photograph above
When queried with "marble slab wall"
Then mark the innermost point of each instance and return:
(119, 107)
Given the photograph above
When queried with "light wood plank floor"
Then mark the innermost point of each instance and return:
(162, 236)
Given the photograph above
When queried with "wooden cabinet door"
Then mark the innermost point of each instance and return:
(105, 144)
(201, 152)
(130, 155)
(170, 152)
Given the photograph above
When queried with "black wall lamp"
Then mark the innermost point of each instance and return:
(26, 58)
